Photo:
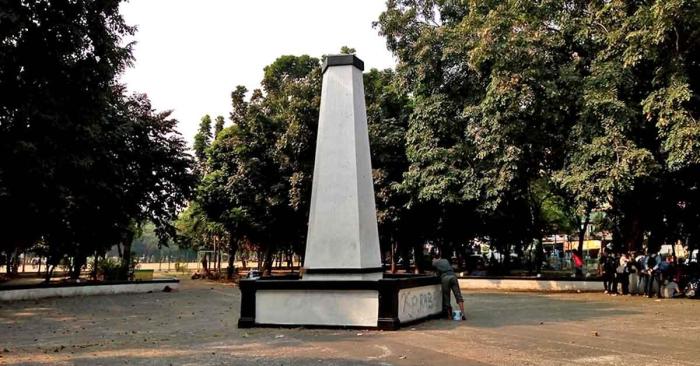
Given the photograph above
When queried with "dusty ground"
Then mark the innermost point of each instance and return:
(197, 326)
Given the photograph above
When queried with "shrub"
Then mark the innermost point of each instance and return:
(111, 269)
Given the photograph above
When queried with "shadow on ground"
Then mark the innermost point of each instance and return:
(197, 325)
(493, 310)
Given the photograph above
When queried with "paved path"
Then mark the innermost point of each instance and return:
(197, 326)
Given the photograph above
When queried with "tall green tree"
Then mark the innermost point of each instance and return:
(486, 125)
(219, 125)
(388, 111)
(202, 140)
(158, 172)
(83, 163)
(58, 63)
(635, 146)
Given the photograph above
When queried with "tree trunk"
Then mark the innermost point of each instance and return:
(505, 270)
(418, 257)
(49, 271)
(13, 263)
(267, 263)
(393, 257)
(94, 266)
(232, 249)
(78, 262)
(657, 237)
(8, 264)
(582, 230)
(126, 259)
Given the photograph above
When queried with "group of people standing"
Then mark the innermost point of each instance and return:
(646, 274)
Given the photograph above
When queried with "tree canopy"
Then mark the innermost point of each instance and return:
(599, 98)
(84, 164)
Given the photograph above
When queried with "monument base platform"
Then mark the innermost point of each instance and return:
(386, 304)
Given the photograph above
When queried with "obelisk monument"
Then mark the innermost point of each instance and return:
(342, 283)
(342, 241)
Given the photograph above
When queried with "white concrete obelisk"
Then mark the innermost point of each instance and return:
(342, 241)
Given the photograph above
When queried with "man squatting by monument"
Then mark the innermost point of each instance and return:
(449, 281)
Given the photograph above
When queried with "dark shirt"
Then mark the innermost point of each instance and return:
(653, 262)
(608, 263)
(443, 267)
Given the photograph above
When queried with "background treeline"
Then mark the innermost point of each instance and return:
(83, 164)
(504, 120)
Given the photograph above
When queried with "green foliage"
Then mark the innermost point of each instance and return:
(345, 50)
(111, 269)
(486, 125)
(219, 125)
(638, 129)
(596, 101)
(201, 141)
(259, 181)
(84, 163)
(258, 185)
(195, 230)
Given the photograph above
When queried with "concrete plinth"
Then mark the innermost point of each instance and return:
(386, 304)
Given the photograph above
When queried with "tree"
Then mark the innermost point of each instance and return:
(261, 166)
(85, 164)
(159, 178)
(486, 125)
(219, 125)
(58, 64)
(202, 140)
(345, 50)
(603, 107)
(388, 111)
(639, 127)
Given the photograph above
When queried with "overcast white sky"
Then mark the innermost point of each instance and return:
(190, 54)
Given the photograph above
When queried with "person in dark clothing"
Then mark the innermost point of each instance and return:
(449, 282)
(205, 265)
(607, 267)
(666, 271)
(643, 274)
(616, 277)
(539, 257)
(652, 267)
(632, 275)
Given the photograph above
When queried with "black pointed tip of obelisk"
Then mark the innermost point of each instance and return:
(342, 60)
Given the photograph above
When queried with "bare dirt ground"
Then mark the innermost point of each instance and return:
(197, 326)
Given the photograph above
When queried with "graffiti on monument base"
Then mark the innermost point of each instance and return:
(419, 302)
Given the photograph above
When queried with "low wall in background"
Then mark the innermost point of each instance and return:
(33, 292)
(529, 284)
